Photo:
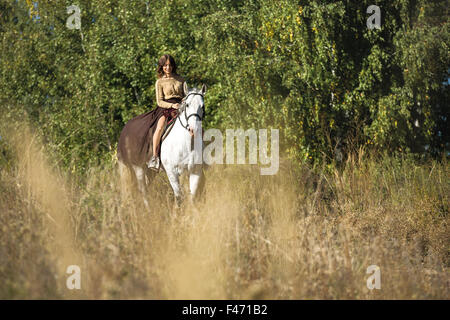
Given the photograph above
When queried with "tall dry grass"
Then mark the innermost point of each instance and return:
(300, 234)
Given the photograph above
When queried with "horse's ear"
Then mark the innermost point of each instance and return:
(203, 89)
(185, 88)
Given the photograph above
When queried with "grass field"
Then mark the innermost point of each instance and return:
(300, 234)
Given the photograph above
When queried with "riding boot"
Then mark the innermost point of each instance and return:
(154, 163)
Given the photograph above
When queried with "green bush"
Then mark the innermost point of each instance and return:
(310, 68)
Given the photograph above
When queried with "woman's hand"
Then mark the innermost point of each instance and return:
(176, 106)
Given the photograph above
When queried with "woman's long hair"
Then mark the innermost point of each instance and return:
(162, 61)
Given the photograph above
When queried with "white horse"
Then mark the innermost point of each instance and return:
(177, 152)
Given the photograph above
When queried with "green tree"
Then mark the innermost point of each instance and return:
(310, 68)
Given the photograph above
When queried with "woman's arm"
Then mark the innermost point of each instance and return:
(160, 97)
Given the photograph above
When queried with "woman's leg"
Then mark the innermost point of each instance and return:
(157, 134)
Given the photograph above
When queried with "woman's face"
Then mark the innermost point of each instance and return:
(167, 68)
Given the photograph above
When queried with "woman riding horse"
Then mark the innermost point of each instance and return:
(139, 142)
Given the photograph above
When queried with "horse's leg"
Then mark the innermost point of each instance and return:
(174, 180)
(194, 180)
(140, 177)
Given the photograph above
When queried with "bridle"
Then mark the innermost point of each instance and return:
(183, 108)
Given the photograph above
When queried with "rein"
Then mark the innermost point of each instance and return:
(185, 106)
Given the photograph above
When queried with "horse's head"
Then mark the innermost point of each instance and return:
(193, 108)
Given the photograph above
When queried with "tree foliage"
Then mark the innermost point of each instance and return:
(310, 68)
